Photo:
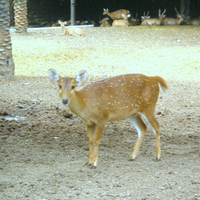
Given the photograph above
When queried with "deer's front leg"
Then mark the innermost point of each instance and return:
(98, 133)
(90, 134)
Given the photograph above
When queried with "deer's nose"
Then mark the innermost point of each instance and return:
(65, 101)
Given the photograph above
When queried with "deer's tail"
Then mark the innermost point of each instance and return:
(162, 83)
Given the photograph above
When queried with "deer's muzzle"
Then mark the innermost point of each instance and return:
(65, 101)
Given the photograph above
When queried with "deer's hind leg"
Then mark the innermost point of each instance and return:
(151, 120)
(141, 129)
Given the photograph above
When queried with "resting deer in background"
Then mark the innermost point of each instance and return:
(116, 14)
(144, 17)
(132, 96)
(71, 31)
(62, 24)
(121, 22)
(173, 21)
(105, 22)
(154, 21)
(133, 21)
(193, 22)
(74, 31)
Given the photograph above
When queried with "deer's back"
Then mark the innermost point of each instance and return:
(120, 97)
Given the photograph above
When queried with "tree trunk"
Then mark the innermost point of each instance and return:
(21, 20)
(7, 66)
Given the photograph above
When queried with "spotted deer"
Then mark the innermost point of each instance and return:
(173, 21)
(62, 24)
(71, 31)
(74, 31)
(121, 22)
(116, 14)
(132, 96)
(145, 16)
(193, 22)
(105, 22)
(154, 21)
(133, 21)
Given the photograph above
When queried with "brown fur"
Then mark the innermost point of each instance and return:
(132, 96)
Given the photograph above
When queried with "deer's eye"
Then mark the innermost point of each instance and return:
(60, 86)
(73, 87)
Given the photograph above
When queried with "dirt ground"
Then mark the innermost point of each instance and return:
(44, 146)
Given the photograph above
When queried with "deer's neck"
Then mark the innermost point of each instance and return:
(77, 102)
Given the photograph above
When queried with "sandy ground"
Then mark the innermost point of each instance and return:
(44, 146)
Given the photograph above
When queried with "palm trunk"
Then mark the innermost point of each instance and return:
(21, 21)
(7, 66)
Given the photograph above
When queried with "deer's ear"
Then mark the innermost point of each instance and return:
(81, 77)
(54, 76)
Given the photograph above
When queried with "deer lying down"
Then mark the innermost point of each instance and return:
(193, 22)
(74, 31)
(105, 22)
(174, 21)
(62, 24)
(153, 21)
(130, 96)
(121, 22)
(71, 31)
